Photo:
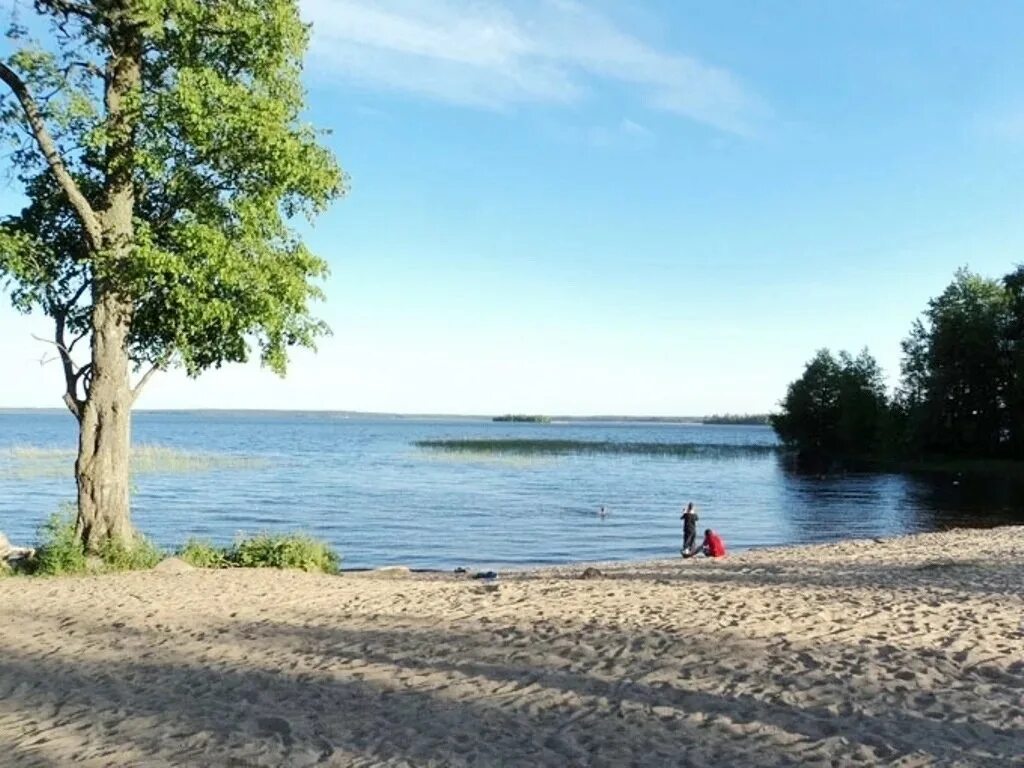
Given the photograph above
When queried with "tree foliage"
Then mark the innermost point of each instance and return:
(956, 370)
(838, 407)
(220, 164)
(961, 390)
(162, 150)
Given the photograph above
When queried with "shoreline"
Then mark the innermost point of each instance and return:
(575, 567)
(857, 652)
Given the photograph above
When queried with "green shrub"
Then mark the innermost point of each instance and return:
(141, 555)
(60, 551)
(282, 551)
(202, 554)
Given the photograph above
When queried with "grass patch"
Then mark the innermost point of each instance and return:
(281, 551)
(571, 447)
(27, 462)
(140, 556)
(264, 550)
(60, 553)
(203, 554)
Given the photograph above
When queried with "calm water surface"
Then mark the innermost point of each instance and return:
(364, 486)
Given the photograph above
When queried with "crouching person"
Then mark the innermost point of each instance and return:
(712, 546)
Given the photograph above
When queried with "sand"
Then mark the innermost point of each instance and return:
(906, 652)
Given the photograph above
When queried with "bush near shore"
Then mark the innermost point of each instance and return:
(60, 553)
(264, 551)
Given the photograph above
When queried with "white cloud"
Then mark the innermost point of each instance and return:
(488, 54)
(627, 133)
(634, 129)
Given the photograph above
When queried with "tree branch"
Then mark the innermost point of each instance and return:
(88, 66)
(77, 339)
(145, 378)
(71, 374)
(78, 294)
(85, 373)
(49, 149)
(68, 7)
(58, 343)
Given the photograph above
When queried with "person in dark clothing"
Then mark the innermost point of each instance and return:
(689, 518)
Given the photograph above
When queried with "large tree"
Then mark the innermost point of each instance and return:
(1014, 283)
(956, 370)
(162, 150)
(837, 409)
(809, 417)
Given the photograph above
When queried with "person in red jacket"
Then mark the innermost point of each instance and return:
(713, 546)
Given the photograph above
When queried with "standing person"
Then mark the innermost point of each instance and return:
(689, 518)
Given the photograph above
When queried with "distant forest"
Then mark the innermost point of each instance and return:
(749, 419)
(960, 393)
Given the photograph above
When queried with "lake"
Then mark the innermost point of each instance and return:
(363, 484)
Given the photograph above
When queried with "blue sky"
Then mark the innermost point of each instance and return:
(578, 207)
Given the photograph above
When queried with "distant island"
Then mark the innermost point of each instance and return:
(523, 418)
(745, 419)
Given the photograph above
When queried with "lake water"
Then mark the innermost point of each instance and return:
(362, 484)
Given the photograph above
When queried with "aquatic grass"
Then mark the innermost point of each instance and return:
(26, 462)
(541, 447)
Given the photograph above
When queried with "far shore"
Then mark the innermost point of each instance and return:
(898, 651)
(582, 419)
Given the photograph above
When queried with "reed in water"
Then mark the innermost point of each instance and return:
(569, 447)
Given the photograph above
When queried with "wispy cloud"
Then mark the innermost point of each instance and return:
(627, 133)
(488, 54)
(634, 129)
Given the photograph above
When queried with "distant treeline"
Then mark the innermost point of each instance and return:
(608, 418)
(960, 394)
(523, 417)
(751, 419)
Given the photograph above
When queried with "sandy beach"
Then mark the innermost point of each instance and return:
(904, 652)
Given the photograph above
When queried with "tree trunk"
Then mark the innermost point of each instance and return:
(105, 430)
(105, 421)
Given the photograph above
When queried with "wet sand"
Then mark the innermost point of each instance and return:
(905, 652)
